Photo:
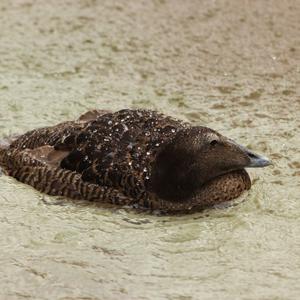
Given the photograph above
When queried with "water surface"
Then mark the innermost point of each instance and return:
(229, 65)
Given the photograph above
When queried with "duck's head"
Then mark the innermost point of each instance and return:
(195, 156)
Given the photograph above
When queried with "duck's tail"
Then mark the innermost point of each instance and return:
(4, 157)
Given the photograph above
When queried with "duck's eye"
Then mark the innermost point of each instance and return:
(213, 142)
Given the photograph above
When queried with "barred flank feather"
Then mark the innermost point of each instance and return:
(56, 181)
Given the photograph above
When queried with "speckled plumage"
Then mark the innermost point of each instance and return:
(109, 157)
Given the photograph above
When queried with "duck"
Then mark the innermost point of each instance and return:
(132, 157)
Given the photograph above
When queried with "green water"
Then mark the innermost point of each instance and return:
(229, 65)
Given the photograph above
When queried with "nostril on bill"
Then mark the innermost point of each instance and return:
(252, 155)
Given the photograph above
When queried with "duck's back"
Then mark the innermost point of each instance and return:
(117, 149)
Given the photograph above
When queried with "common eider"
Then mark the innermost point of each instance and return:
(132, 157)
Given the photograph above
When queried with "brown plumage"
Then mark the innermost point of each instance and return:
(132, 157)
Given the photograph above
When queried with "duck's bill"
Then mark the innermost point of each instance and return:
(255, 160)
(258, 161)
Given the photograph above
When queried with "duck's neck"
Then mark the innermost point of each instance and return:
(175, 177)
(214, 192)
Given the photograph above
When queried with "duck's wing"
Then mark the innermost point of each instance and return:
(32, 159)
(40, 168)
